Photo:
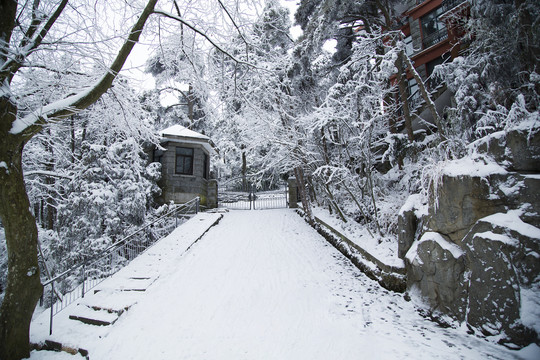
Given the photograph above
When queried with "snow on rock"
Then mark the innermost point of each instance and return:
(3, 165)
(455, 250)
(497, 237)
(512, 221)
(472, 167)
(417, 203)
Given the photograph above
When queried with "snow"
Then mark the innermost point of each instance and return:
(455, 250)
(181, 131)
(382, 248)
(505, 239)
(4, 165)
(472, 167)
(512, 221)
(416, 202)
(53, 355)
(21, 124)
(264, 285)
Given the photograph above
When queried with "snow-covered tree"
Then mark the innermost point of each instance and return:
(36, 35)
(500, 69)
(251, 94)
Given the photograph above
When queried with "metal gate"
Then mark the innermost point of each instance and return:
(254, 199)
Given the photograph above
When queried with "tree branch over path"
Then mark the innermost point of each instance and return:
(31, 124)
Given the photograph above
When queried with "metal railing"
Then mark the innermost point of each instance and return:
(435, 37)
(74, 283)
(450, 4)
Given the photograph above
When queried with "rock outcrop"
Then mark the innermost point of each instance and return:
(503, 254)
(478, 245)
(438, 266)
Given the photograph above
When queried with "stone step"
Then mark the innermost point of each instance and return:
(92, 316)
(132, 283)
(116, 301)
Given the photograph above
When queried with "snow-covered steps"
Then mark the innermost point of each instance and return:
(111, 300)
(118, 295)
(130, 283)
(94, 316)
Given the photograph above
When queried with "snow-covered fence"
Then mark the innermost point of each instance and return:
(72, 284)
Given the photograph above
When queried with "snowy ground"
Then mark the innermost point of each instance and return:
(264, 285)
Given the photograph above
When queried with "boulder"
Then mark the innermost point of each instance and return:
(516, 149)
(494, 145)
(460, 201)
(437, 267)
(409, 219)
(524, 146)
(407, 224)
(503, 255)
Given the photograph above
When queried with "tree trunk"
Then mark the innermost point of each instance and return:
(427, 98)
(402, 84)
(23, 281)
(190, 98)
(244, 172)
(302, 190)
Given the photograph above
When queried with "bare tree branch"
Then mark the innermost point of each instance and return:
(11, 66)
(179, 19)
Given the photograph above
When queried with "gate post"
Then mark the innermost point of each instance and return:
(212, 194)
(293, 192)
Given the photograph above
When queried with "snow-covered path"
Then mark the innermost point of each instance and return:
(264, 285)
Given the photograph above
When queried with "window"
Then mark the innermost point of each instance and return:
(184, 161)
(434, 81)
(413, 93)
(409, 49)
(433, 29)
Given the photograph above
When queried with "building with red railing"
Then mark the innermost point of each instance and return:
(432, 29)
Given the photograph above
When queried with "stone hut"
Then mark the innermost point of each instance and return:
(185, 166)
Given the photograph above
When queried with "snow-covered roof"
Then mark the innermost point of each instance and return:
(181, 131)
(182, 134)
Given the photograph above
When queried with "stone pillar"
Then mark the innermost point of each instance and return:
(293, 193)
(212, 194)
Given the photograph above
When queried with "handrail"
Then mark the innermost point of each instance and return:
(119, 243)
